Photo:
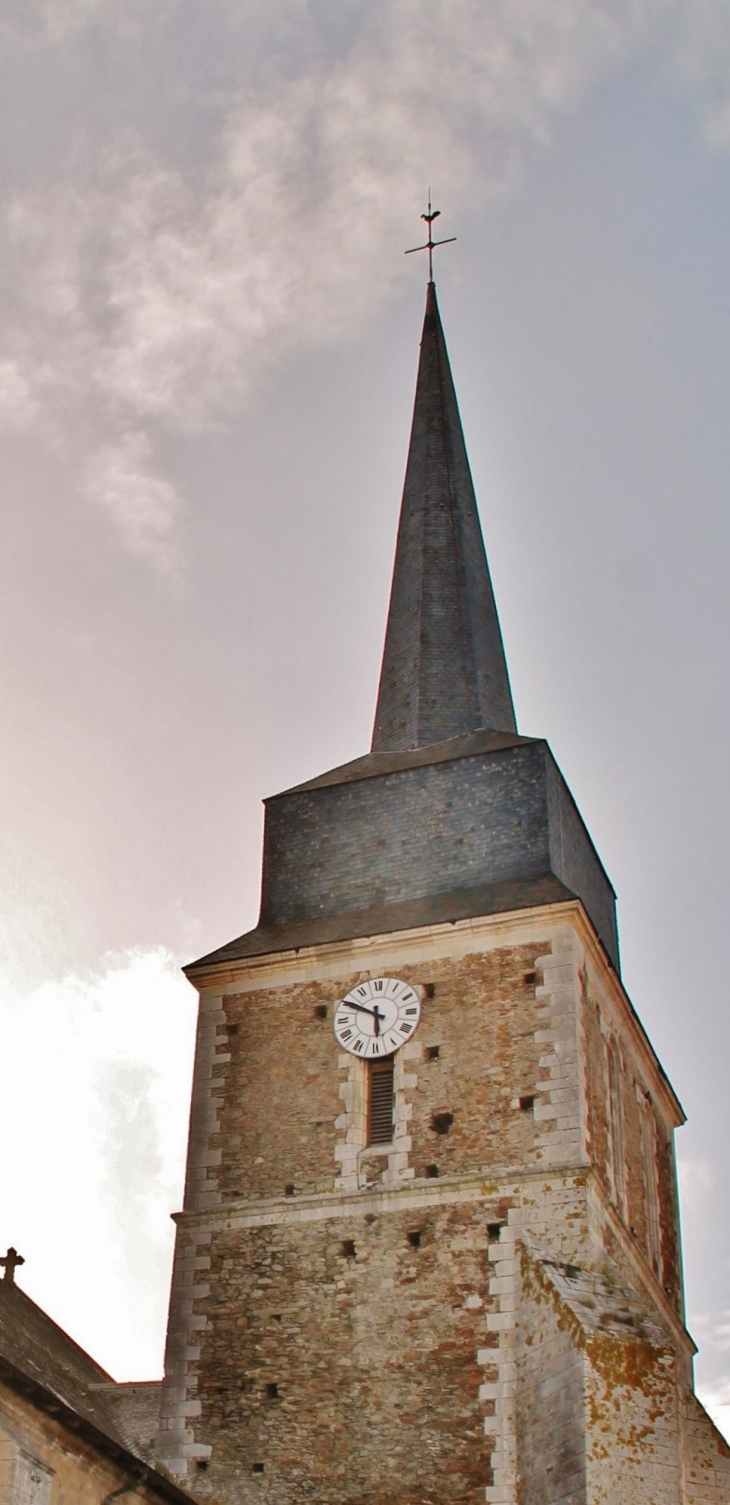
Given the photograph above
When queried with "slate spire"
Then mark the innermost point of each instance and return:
(444, 672)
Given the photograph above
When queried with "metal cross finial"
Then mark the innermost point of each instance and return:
(9, 1262)
(430, 243)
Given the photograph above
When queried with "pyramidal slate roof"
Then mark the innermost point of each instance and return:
(451, 814)
(444, 671)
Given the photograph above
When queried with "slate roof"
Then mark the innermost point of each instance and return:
(600, 1299)
(383, 919)
(45, 1353)
(41, 1362)
(444, 671)
(375, 765)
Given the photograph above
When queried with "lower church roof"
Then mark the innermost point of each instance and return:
(43, 1364)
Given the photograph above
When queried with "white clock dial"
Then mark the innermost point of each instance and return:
(377, 1017)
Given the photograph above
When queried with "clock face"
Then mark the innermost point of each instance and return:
(377, 1017)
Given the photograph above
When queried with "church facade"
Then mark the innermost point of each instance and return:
(429, 1249)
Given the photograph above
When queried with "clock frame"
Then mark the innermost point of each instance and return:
(376, 1017)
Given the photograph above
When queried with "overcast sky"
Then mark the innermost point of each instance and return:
(208, 341)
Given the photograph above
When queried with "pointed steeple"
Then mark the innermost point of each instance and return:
(444, 671)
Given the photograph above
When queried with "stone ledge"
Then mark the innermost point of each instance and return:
(422, 1192)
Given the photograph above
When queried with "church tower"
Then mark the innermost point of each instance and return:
(429, 1249)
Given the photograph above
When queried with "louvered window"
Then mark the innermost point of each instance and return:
(380, 1102)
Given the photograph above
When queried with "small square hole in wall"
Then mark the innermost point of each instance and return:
(527, 1103)
(289, 1189)
(433, 1052)
(432, 1172)
(347, 1248)
(272, 1391)
(529, 978)
(414, 1239)
(429, 989)
(258, 1468)
(276, 1316)
(441, 1122)
(494, 1230)
(320, 1011)
(202, 1464)
(232, 1029)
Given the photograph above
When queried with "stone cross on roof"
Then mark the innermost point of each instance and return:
(9, 1262)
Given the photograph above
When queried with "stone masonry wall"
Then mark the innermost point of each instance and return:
(634, 1441)
(551, 1433)
(603, 1022)
(598, 1419)
(278, 1078)
(341, 1313)
(706, 1456)
(385, 1323)
(354, 1372)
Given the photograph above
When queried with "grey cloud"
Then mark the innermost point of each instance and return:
(43, 22)
(157, 296)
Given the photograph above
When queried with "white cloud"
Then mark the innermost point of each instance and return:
(143, 506)
(94, 1094)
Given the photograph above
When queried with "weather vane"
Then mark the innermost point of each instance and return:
(430, 243)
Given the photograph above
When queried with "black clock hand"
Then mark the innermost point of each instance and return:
(362, 1007)
(374, 1013)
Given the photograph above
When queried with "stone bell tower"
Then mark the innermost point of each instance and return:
(429, 1250)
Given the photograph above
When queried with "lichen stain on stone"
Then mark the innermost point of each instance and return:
(630, 1363)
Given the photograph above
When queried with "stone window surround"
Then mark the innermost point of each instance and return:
(617, 1162)
(33, 1479)
(355, 1157)
(651, 1171)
